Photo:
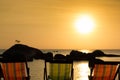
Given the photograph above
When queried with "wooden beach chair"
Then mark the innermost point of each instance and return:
(58, 70)
(15, 71)
(104, 71)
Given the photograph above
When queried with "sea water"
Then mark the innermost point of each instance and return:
(81, 69)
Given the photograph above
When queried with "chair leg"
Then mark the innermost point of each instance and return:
(1, 74)
(45, 74)
(119, 73)
(72, 75)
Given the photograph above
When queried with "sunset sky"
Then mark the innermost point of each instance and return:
(50, 24)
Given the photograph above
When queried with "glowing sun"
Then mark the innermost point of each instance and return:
(84, 24)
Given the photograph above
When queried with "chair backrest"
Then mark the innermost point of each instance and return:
(59, 70)
(105, 71)
(15, 71)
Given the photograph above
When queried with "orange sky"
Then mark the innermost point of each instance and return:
(49, 24)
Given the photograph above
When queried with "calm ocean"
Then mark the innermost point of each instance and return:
(81, 70)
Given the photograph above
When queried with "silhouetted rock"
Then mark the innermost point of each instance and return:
(95, 53)
(20, 52)
(78, 55)
(59, 56)
(112, 55)
(98, 53)
(38, 54)
(69, 58)
(48, 56)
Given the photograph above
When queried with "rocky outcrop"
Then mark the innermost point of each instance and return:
(20, 52)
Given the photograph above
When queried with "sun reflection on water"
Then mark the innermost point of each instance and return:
(85, 51)
(81, 70)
